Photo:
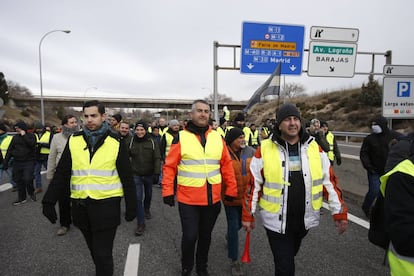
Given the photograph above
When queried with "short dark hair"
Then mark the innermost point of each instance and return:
(101, 107)
(66, 118)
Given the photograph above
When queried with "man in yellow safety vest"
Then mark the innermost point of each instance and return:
(95, 171)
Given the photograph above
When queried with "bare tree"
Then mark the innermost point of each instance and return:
(16, 90)
(292, 90)
(220, 98)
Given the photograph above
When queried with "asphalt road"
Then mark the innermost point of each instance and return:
(29, 245)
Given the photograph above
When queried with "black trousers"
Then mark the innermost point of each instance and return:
(98, 221)
(64, 211)
(284, 248)
(22, 174)
(197, 223)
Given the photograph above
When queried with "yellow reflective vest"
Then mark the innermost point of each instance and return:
(400, 265)
(5, 145)
(44, 139)
(255, 138)
(330, 140)
(271, 199)
(199, 164)
(98, 177)
(168, 141)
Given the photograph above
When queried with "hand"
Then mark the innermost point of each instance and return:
(169, 200)
(155, 178)
(22, 132)
(248, 226)
(229, 198)
(338, 161)
(49, 212)
(129, 215)
(341, 225)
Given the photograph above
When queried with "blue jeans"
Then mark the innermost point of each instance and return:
(143, 186)
(373, 190)
(37, 170)
(8, 172)
(233, 215)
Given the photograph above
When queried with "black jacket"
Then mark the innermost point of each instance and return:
(60, 184)
(375, 147)
(399, 212)
(22, 148)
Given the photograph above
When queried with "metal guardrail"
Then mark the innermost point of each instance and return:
(348, 134)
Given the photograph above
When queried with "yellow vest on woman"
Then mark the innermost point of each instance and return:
(97, 178)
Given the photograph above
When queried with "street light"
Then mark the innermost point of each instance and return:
(42, 109)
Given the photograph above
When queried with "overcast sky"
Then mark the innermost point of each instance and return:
(164, 48)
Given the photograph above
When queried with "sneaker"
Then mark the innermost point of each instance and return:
(62, 231)
(33, 197)
(140, 229)
(147, 214)
(18, 202)
(38, 190)
(236, 268)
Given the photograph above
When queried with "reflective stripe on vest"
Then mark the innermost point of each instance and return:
(5, 145)
(400, 265)
(44, 139)
(98, 178)
(168, 141)
(330, 140)
(197, 164)
(271, 199)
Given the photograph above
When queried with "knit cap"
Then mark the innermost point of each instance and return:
(233, 134)
(117, 117)
(174, 122)
(21, 125)
(141, 124)
(285, 111)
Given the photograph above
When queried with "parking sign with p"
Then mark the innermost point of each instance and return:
(403, 88)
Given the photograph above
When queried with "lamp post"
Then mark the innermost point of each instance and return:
(42, 108)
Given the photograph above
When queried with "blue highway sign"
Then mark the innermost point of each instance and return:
(265, 45)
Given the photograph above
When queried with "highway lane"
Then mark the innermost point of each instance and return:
(29, 246)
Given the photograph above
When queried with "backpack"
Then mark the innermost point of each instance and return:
(376, 233)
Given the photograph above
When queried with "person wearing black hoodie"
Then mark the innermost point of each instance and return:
(373, 156)
(23, 149)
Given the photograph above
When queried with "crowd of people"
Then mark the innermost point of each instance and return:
(281, 170)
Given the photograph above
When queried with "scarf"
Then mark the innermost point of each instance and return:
(66, 131)
(95, 135)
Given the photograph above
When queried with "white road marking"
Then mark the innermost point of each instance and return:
(352, 218)
(132, 261)
(5, 187)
